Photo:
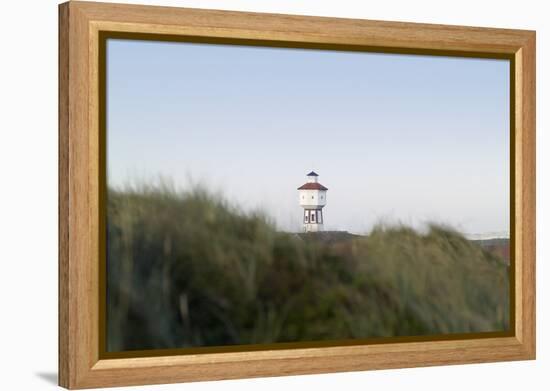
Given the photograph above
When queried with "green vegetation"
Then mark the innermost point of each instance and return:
(188, 269)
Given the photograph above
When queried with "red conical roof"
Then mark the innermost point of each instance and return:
(312, 186)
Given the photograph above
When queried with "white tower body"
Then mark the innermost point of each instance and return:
(312, 197)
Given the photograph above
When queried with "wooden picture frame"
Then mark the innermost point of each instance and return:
(82, 363)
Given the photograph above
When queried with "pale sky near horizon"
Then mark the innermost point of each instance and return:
(395, 138)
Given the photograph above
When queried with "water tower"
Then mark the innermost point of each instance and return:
(313, 197)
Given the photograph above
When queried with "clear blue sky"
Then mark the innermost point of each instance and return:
(395, 138)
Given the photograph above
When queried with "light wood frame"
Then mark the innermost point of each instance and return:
(80, 24)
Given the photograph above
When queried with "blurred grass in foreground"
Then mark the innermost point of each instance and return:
(186, 269)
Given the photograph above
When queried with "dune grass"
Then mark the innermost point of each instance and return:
(187, 269)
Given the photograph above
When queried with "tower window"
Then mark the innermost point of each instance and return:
(313, 217)
(311, 197)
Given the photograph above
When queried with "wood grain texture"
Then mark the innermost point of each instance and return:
(63, 178)
(171, 20)
(77, 280)
(80, 23)
(527, 187)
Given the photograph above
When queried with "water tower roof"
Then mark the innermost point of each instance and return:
(312, 173)
(312, 186)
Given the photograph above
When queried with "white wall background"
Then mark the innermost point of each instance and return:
(28, 195)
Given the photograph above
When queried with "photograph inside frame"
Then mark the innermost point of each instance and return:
(262, 195)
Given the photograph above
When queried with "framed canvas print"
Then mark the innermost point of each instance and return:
(247, 195)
